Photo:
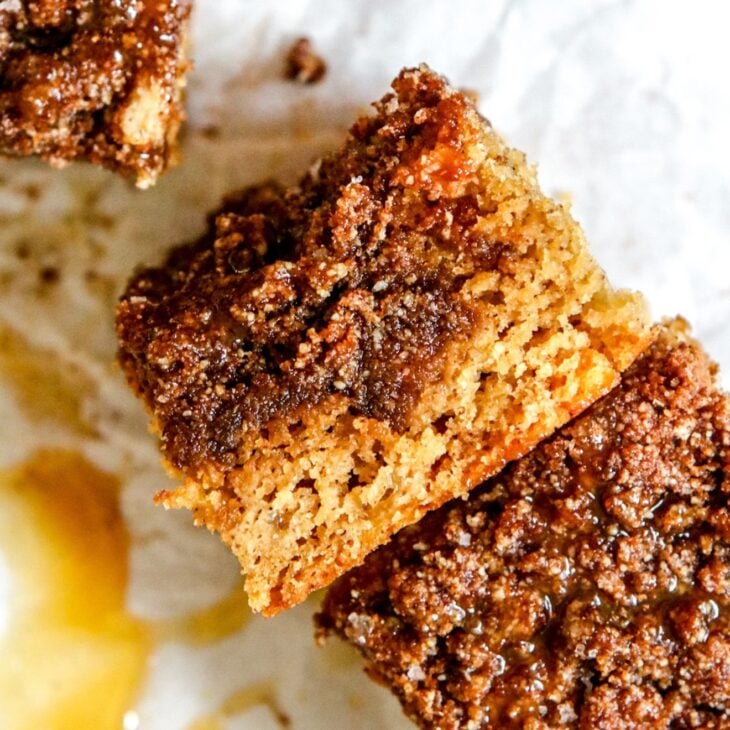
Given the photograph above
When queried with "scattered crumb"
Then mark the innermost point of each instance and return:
(32, 191)
(22, 250)
(303, 64)
(49, 274)
(212, 131)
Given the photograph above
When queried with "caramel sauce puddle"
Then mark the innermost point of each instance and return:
(72, 656)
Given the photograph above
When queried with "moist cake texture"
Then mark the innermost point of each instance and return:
(331, 361)
(586, 586)
(99, 81)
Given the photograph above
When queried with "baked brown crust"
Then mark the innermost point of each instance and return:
(588, 585)
(333, 360)
(99, 81)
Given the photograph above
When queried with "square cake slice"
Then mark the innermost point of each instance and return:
(333, 360)
(99, 81)
(586, 586)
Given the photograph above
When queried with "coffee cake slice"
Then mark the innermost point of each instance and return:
(586, 586)
(334, 360)
(99, 81)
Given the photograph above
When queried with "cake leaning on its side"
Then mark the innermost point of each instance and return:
(334, 360)
(98, 81)
(586, 586)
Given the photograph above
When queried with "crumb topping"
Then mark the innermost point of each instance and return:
(348, 284)
(586, 586)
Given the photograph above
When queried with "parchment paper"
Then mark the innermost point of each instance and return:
(625, 107)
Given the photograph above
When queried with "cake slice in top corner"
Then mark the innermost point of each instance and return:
(333, 360)
(96, 81)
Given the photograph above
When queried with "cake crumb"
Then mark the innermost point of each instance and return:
(303, 65)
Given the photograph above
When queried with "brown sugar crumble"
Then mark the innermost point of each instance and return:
(94, 81)
(303, 64)
(332, 360)
(586, 586)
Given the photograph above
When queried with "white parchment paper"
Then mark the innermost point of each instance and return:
(625, 107)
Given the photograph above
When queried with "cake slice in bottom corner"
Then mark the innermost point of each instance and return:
(586, 586)
(333, 360)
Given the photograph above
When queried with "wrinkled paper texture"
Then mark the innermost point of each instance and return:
(624, 105)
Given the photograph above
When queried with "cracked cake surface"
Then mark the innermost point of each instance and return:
(586, 586)
(98, 81)
(332, 360)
